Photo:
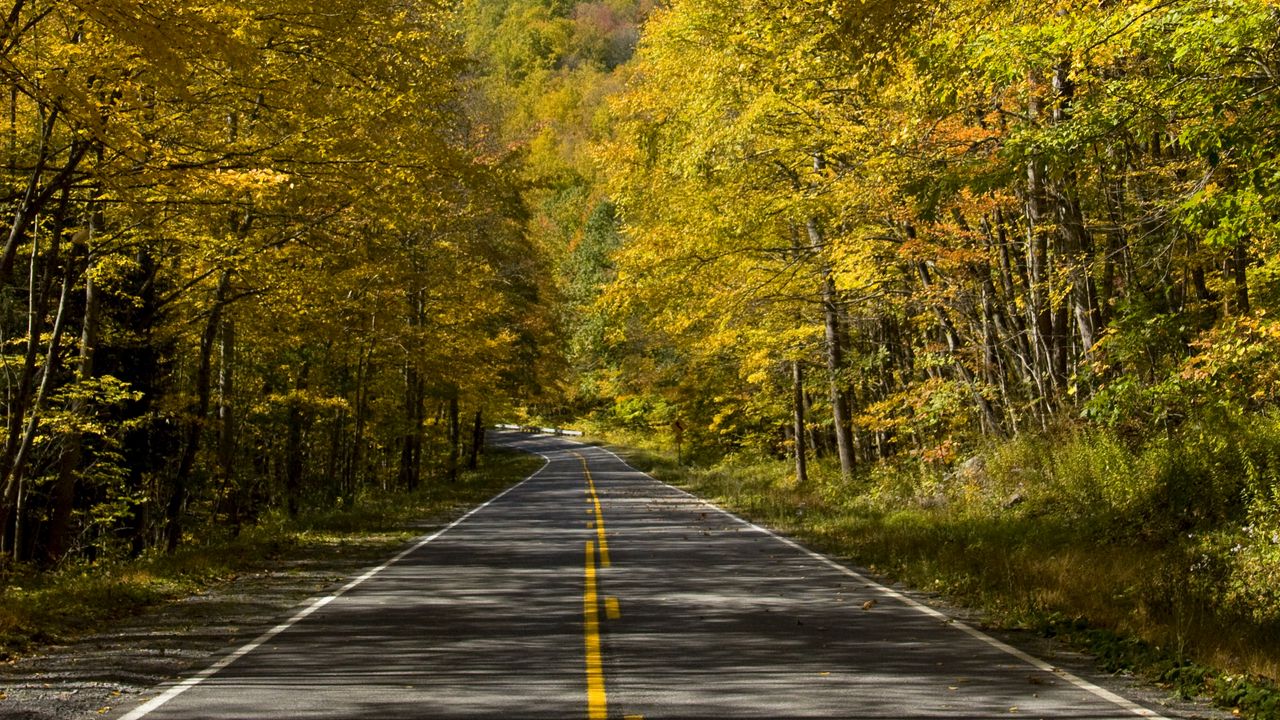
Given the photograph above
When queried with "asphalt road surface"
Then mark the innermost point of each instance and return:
(590, 591)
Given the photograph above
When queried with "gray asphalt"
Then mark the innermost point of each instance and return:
(717, 619)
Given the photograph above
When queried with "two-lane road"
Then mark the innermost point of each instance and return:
(591, 590)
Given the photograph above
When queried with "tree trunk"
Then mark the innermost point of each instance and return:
(293, 459)
(455, 438)
(1039, 295)
(25, 400)
(990, 420)
(798, 422)
(477, 441)
(227, 425)
(139, 443)
(411, 442)
(355, 463)
(195, 423)
(1240, 276)
(73, 442)
(835, 358)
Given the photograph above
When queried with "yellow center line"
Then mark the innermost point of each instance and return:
(595, 502)
(597, 707)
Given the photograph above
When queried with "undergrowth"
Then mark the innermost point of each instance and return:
(75, 599)
(1162, 558)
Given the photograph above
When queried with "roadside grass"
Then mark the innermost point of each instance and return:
(1072, 536)
(77, 599)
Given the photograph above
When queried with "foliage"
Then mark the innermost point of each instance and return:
(1025, 212)
(259, 257)
(1071, 558)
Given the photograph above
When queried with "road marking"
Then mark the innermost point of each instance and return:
(176, 690)
(611, 609)
(595, 501)
(597, 706)
(965, 628)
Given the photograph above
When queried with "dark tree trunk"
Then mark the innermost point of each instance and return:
(195, 423)
(455, 438)
(1240, 276)
(477, 441)
(227, 425)
(410, 474)
(293, 452)
(798, 422)
(835, 358)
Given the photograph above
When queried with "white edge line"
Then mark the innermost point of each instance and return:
(185, 685)
(963, 627)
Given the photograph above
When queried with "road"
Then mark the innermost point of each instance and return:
(590, 591)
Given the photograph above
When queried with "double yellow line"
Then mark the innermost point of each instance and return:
(597, 704)
(602, 542)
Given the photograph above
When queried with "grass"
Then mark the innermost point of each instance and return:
(74, 600)
(1075, 536)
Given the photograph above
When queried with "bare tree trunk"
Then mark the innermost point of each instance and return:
(355, 462)
(1047, 341)
(138, 452)
(990, 421)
